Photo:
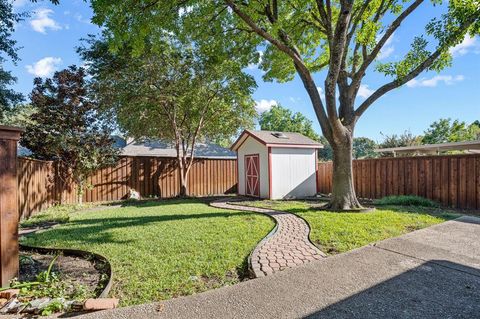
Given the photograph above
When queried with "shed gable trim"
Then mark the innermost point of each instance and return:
(246, 134)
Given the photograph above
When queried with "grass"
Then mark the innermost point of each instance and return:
(52, 215)
(335, 232)
(163, 249)
(406, 200)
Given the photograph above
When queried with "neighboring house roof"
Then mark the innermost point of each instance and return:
(277, 139)
(163, 149)
(471, 146)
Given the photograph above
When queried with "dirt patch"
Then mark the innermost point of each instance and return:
(72, 270)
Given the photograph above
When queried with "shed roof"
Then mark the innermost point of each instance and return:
(157, 148)
(277, 139)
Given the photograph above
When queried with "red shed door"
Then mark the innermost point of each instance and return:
(252, 175)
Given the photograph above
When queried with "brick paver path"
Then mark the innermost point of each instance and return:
(286, 247)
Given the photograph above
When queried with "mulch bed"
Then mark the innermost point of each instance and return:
(71, 269)
(75, 280)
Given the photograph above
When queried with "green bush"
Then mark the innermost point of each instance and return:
(406, 200)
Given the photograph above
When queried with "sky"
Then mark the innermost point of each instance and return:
(48, 39)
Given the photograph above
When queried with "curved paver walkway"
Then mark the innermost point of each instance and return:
(285, 247)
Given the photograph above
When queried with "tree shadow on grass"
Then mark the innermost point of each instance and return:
(316, 206)
(96, 230)
(439, 212)
(165, 201)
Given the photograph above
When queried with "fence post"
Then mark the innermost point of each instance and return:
(8, 204)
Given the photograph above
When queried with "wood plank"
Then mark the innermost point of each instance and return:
(471, 184)
(453, 179)
(462, 182)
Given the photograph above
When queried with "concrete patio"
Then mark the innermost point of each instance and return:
(430, 273)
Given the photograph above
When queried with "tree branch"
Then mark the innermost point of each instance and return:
(397, 82)
(390, 30)
(336, 59)
(302, 70)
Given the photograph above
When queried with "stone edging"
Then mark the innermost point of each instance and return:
(286, 246)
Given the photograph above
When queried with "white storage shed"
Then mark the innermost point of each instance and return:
(276, 165)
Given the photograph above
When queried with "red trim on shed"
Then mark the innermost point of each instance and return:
(269, 173)
(316, 171)
(238, 175)
(293, 145)
(234, 145)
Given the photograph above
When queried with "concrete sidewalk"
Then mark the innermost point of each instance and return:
(430, 273)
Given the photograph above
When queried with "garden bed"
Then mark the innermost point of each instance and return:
(53, 281)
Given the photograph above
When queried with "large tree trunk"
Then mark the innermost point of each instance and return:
(343, 193)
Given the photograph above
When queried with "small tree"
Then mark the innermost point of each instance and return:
(279, 118)
(67, 127)
(174, 94)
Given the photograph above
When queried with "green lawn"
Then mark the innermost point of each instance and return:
(334, 232)
(163, 249)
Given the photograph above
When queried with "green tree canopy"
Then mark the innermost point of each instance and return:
(67, 127)
(19, 115)
(8, 51)
(174, 93)
(363, 147)
(281, 119)
(446, 130)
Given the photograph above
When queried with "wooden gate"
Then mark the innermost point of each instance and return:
(252, 175)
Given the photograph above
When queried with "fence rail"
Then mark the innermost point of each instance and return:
(453, 180)
(40, 186)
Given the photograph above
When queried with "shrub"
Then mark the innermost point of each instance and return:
(406, 200)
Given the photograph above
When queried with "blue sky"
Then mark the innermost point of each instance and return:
(49, 37)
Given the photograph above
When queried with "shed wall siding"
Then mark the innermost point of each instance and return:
(251, 146)
(293, 173)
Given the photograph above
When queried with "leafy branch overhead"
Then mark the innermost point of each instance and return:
(304, 37)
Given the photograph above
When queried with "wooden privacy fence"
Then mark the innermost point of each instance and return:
(453, 180)
(40, 185)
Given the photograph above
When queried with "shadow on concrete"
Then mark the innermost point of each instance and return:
(435, 289)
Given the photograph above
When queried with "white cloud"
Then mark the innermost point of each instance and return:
(81, 19)
(465, 46)
(264, 105)
(322, 93)
(434, 81)
(44, 67)
(364, 91)
(19, 3)
(387, 48)
(42, 21)
(294, 99)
